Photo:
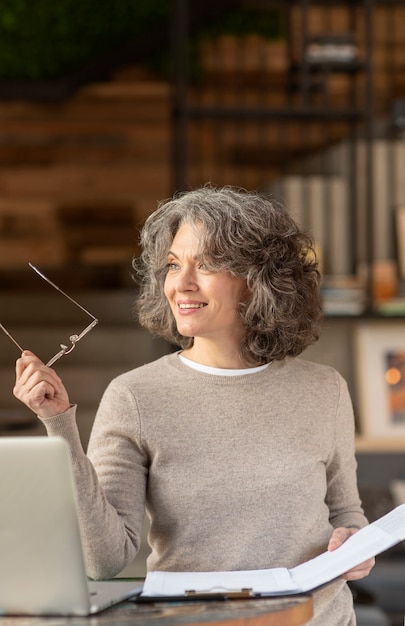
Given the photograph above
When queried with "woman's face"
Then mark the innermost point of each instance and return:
(204, 303)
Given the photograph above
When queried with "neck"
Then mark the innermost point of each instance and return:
(212, 356)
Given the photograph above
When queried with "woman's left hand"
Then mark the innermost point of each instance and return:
(339, 536)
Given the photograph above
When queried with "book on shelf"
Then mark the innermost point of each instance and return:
(343, 295)
(331, 48)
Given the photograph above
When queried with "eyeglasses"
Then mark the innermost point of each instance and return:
(74, 339)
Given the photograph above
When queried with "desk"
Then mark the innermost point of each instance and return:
(291, 611)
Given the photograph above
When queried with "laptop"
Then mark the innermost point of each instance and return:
(42, 568)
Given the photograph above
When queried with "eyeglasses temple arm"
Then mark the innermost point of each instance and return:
(11, 337)
(60, 290)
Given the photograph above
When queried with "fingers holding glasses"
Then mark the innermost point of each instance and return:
(39, 387)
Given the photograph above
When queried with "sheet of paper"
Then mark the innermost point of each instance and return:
(366, 543)
(329, 565)
(276, 580)
(393, 522)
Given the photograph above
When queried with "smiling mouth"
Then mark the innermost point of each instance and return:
(192, 306)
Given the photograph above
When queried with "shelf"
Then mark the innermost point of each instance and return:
(367, 444)
(338, 67)
(297, 112)
(366, 316)
(334, 2)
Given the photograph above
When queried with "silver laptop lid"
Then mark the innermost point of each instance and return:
(42, 568)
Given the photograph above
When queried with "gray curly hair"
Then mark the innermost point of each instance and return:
(252, 237)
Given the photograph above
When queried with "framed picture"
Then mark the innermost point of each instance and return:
(380, 353)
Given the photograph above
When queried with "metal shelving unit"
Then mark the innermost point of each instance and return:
(246, 129)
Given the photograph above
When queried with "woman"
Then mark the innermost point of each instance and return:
(242, 453)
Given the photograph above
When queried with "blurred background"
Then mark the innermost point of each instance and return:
(106, 108)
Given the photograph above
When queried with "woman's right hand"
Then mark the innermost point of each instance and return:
(39, 387)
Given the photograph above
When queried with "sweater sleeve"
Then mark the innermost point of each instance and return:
(342, 494)
(110, 482)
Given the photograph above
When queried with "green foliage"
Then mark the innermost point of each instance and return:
(238, 22)
(42, 40)
(244, 21)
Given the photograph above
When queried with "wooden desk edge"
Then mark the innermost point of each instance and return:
(297, 615)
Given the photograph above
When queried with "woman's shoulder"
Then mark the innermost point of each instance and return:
(315, 382)
(148, 371)
(315, 371)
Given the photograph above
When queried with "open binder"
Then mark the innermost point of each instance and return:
(366, 543)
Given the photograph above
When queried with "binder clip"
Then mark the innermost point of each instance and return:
(245, 592)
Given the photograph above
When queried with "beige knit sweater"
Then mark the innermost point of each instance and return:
(244, 472)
